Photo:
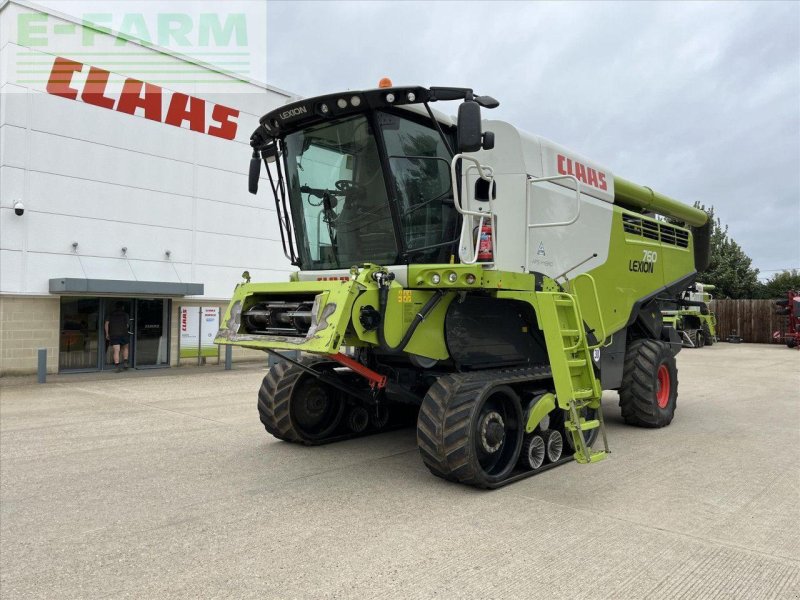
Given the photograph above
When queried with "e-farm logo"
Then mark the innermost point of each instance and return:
(169, 30)
(225, 42)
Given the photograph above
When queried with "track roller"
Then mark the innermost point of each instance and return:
(357, 419)
(533, 452)
(554, 444)
(379, 416)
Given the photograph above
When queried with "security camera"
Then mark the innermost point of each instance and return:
(19, 208)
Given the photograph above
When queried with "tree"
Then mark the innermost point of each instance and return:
(780, 283)
(729, 269)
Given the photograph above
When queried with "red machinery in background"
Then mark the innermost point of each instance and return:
(790, 307)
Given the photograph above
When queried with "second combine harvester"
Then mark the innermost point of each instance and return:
(486, 280)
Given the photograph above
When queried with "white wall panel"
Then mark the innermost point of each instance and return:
(13, 146)
(12, 105)
(75, 119)
(233, 251)
(224, 186)
(12, 230)
(11, 272)
(86, 160)
(230, 155)
(237, 220)
(40, 268)
(12, 186)
(56, 233)
(146, 270)
(220, 281)
(97, 200)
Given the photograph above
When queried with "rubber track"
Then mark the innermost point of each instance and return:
(443, 424)
(707, 334)
(637, 392)
(274, 395)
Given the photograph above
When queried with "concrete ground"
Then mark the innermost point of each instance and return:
(168, 486)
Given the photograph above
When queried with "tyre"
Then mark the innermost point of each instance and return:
(700, 339)
(694, 337)
(296, 407)
(707, 337)
(470, 430)
(649, 392)
(791, 342)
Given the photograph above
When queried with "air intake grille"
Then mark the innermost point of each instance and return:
(656, 231)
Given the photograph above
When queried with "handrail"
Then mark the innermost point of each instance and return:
(533, 180)
(487, 174)
(602, 325)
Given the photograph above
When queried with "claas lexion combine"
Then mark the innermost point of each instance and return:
(485, 282)
(691, 317)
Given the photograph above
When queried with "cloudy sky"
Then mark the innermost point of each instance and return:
(700, 101)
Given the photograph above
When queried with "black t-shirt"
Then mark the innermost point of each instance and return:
(117, 323)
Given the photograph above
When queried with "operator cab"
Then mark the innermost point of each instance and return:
(364, 176)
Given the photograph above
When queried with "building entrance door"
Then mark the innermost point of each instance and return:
(151, 346)
(113, 306)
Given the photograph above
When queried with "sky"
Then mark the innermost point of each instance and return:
(699, 100)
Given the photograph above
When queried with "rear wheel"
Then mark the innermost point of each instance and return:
(470, 431)
(791, 342)
(649, 392)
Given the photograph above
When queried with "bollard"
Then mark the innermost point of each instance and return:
(228, 357)
(42, 370)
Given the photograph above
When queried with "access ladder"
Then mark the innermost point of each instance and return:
(570, 356)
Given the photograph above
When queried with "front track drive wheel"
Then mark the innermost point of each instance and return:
(297, 407)
(470, 430)
(649, 390)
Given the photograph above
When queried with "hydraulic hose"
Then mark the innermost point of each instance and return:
(383, 296)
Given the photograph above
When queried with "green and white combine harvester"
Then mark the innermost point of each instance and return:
(692, 318)
(485, 282)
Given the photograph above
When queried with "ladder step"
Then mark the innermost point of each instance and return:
(576, 362)
(570, 332)
(561, 302)
(593, 457)
(583, 425)
(583, 394)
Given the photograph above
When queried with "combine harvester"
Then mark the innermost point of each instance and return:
(691, 317)
(489, 282)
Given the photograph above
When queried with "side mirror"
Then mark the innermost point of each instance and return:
(469, 127)
(255, 173)
(470, 137)
(269, 153)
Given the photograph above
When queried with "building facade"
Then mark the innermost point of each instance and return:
(123, 183)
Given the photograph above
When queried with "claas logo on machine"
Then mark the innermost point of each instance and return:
(584, 174)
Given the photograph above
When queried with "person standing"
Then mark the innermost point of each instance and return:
(116, 326)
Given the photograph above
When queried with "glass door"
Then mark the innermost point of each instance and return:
(151, 339)
(79, 338)
(117, 310)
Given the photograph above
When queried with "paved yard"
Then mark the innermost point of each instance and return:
(167, 486)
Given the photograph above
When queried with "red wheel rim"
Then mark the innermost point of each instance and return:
(662, 393)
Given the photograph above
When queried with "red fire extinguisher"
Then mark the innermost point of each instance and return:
(485, 249)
